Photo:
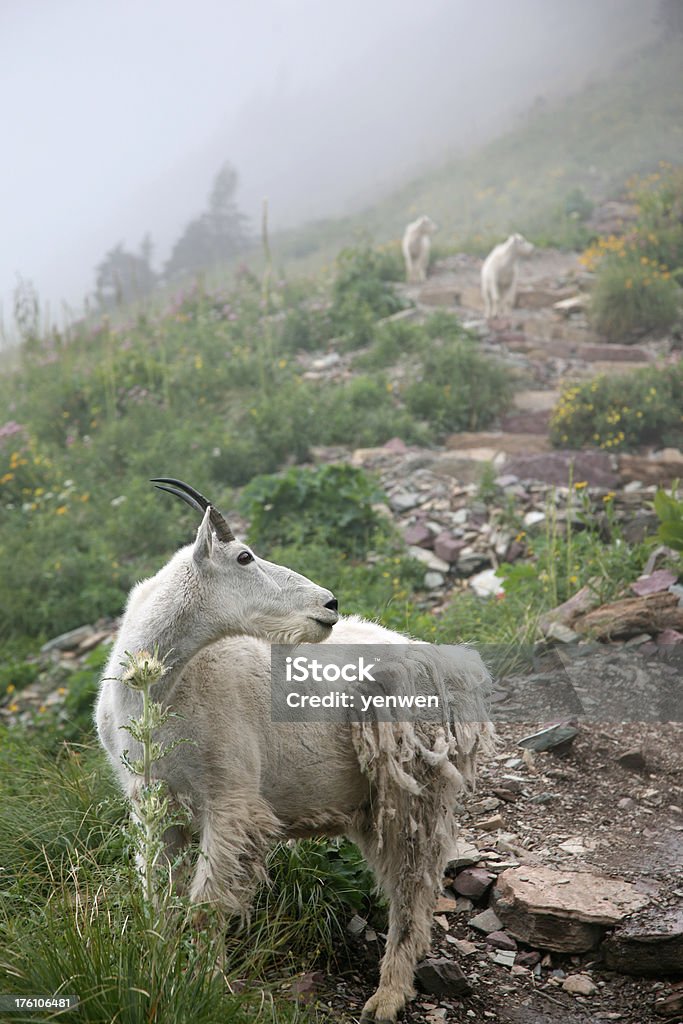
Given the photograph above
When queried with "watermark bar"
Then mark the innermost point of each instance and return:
(28, 1004)
(460, 683)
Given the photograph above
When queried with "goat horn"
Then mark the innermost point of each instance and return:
(197, 501)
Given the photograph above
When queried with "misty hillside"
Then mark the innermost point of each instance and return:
(592, 140)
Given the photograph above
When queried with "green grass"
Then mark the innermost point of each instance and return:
(72, 918)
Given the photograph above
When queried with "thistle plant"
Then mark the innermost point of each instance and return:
(152, 804)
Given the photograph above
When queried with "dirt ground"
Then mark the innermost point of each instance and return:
(562, 797)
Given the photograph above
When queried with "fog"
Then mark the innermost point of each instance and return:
(115, 117)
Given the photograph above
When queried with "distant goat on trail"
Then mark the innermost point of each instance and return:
(416, 246)
(499, 274)
(248, 781)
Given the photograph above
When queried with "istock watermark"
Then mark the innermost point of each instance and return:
(339, 682)
(452, 682)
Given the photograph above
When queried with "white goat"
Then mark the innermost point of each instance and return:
(416, 247)
(247, 781)
(499, 274)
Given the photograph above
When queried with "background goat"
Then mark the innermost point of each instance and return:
(416, 247)
(247, 781)
(499, 274)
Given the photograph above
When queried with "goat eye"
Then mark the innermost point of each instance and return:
(245, 557)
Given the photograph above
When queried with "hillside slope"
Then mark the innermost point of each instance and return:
(593, 140)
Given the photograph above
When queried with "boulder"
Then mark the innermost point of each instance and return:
(650, 943)
(564, 911)
(429, 559)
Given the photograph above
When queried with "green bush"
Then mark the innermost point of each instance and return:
(636, 273)
(361, 294)
(459, 389)
(364, 413)
(578, 205)
(659, 197)
(643, 407)
(670, 514)
(330, 505)
(390, 343)
(631, 297)
(306, 329)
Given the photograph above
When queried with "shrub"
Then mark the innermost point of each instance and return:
(459, 389)
(329, 504)
(390, 342)
(633, 296)
(578, 205)
(306, 329)
(636, 273)
(670, 514)
(363, 413)
(361, 294)
(659, 199)
(622, 412)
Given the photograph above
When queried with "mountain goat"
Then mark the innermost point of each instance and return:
(248, 781)
(499, 274)
(416, 247)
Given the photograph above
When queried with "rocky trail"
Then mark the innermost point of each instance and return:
(563, 901)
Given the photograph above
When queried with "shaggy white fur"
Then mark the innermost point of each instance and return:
(416, 247)
(499, 274)
(247, 781)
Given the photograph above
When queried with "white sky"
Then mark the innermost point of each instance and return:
(116, 114)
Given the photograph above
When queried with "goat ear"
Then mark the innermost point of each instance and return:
(204, 543)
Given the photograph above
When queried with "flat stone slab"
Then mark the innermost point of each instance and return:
(535, 401)
(68, 641)
(662, 470)
(488, 921)
(650, 943)
(598, 683)
(559, 467)
(565, 911)
(508, 443)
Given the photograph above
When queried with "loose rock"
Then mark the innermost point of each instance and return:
(650, 943)
(442, 977)
(579, 985)
(473, 882)
(501, 940)
(634, 760)
(488, 921)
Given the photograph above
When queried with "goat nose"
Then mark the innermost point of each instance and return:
(332, 604)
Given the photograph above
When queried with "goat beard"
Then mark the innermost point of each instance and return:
(298, 630)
